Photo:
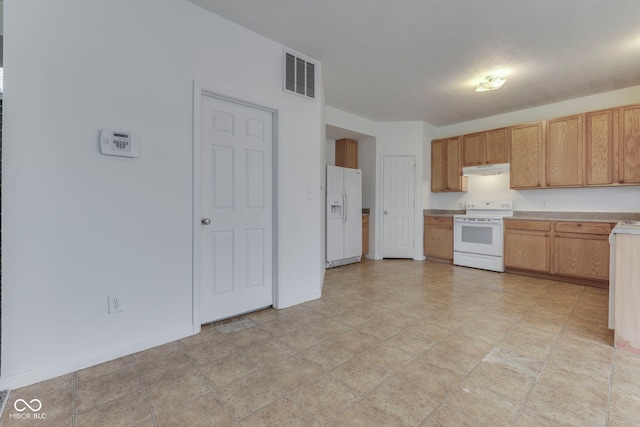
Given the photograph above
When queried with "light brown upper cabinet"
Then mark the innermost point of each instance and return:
(564, 149)
(347, 153)
(629, 144)
(485, 148)
(598, 148)
(446, 165)
(600, 160)
(438, 153)
(473, 149)
(527, 156)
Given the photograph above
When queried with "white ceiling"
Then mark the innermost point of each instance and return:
(420, 59)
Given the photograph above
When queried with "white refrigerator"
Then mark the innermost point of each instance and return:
(344, 216)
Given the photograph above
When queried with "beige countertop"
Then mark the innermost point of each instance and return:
(552, 215)
(627, 227)
(443, 212)
(577, 216)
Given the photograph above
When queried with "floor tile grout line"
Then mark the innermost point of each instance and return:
(74, 405)
(301, 405)
(4, 403)
(453, 389)
(327, 372)
(363, 396)
(216, 392)
(544, 366)
(554, 345)
(611, 375)
(259, 367)
(144, 391)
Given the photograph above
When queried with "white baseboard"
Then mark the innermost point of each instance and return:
(291, 302)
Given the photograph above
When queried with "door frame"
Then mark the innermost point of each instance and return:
(380, 228)
(201, 89)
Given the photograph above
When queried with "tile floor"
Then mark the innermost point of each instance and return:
(390, 343)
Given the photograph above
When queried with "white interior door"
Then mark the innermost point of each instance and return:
(237, 213)
(398, 205)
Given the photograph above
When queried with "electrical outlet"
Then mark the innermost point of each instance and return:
(115, 304)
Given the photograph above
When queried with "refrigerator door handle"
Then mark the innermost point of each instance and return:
(344, 207)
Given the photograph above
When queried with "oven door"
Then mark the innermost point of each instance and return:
(478, 235)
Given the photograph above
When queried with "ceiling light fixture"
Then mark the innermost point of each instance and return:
(490, 83)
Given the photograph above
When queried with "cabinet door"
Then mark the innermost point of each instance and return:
(347, 153)
(527, 250)
(599, 144)
(473, 149)
(437, 165)
(629, 145)
(585, 256)
(454, 181)
(564, 152)
(527, 156)
(365, 234)
(438, 237)
(496, 146)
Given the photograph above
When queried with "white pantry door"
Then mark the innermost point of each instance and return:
(237, 213)
(398, 204)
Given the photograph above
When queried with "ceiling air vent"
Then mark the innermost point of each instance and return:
(299, 75)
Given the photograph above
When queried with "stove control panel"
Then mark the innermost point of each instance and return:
(491, 206)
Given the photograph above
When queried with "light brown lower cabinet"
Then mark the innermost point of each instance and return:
(526, 245)
(576, 252)
(365, 234)
(438, 238)
(581, 249)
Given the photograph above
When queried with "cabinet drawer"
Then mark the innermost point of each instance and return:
(516, 224)
(442, 221)
(583, 227)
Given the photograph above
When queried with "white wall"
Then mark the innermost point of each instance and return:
(77, 225)
(605, 199)
(429, 134)
(330, 152)
(367, 162)
(321, 192)
(398, 139)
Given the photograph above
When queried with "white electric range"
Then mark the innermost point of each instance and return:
(479, 234)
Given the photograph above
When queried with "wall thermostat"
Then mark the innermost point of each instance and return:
(119, 143)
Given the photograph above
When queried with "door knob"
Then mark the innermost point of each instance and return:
(205, 221)
(386, 212)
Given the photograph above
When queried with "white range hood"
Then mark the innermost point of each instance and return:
(495, 169)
